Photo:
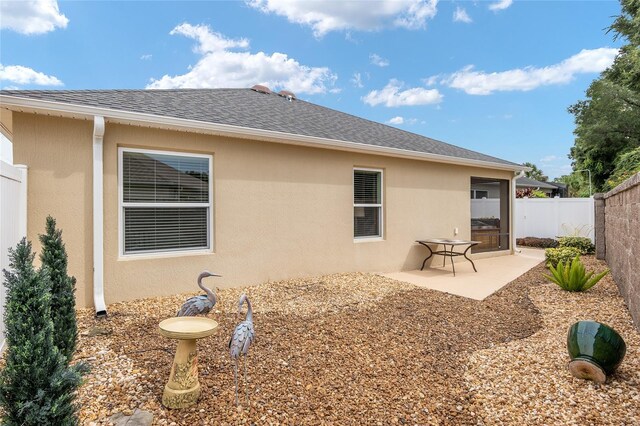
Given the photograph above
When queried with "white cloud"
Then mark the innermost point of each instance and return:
(220, 66)
(357, 80)
(146, 57)
(31, 17)
(500, 5)
(401, 120)
(208, 41)
(548, 159)
(326, 16)
(392, 95)
(20, 75)
(461, 15)
(431, 81)
(528, 78)
(378, 60)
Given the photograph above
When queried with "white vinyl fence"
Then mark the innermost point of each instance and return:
(544, 217)
(13, 220)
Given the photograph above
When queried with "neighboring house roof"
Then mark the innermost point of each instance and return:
(248, 109)
(558, 185)
(526, 182)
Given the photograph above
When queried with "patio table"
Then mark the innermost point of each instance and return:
(448, 252)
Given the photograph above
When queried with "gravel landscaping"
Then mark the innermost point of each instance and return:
(527, 382)
(364, 349)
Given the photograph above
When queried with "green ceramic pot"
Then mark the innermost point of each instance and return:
(596, 350)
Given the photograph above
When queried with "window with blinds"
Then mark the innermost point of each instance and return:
(165, 201)
(367, 203)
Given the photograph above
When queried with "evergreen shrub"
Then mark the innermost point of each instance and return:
(63, 287)
(37, 387)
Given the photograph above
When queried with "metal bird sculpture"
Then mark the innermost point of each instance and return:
(199, 305)
(241, 339)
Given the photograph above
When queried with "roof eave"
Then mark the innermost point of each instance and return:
(22, 104)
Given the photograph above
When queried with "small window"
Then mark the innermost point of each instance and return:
(367, 203)
(165, 201)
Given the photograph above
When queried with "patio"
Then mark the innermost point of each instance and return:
(493, 273)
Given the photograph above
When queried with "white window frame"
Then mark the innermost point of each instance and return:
(122, 205)
(380, 205)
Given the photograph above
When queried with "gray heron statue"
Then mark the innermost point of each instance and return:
(241, 339)
(199, 305)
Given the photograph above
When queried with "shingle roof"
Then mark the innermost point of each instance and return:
(251, 109)
(532, 183)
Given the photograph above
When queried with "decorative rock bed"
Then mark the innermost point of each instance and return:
(527, 381)
(363, 349)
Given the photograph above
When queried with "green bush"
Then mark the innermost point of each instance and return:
(553, 256)
(37, 387)
(574, 277)
(583, 244)
(63, 302)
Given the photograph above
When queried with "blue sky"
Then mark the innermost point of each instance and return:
(492, 76)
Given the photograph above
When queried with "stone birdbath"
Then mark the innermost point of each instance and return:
(183, 388)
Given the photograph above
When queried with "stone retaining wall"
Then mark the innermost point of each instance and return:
(618, 239)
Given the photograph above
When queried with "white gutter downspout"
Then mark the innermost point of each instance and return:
(98, 218)
(513, 210)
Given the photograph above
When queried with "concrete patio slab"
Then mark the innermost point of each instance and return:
(493, 274)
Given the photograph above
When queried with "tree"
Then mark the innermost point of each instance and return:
(535, 172)
(63, 303)
(36, 385)
(627, 165)
(607, 125)
(626, 68)
(577, 184)
(608, 121)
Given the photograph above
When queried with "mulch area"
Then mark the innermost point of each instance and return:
(339, 349)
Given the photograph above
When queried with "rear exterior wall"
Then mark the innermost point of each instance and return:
(279, 211)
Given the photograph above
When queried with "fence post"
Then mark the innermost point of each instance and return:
(599, 233)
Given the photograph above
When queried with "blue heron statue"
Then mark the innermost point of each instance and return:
(199, 305)
(240, 342)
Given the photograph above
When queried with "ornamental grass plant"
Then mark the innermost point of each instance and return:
(573, 276)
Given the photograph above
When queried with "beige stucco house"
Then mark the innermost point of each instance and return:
(152, 187)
